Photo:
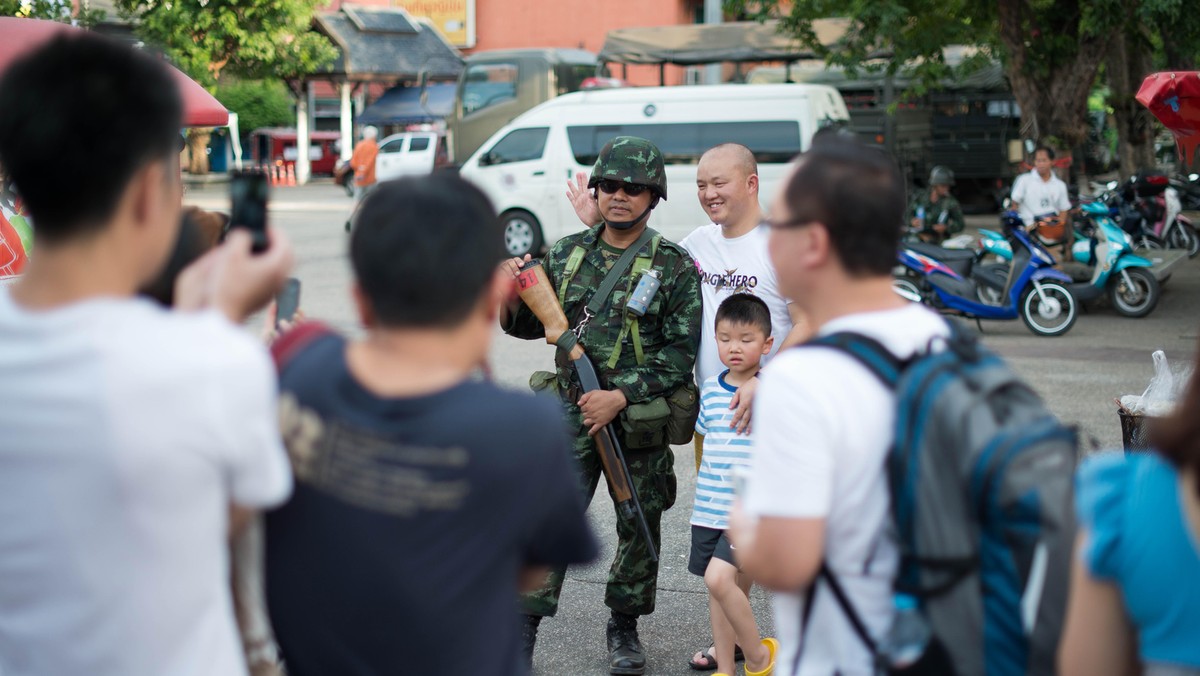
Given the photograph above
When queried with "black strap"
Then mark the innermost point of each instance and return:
(847, 608)
(617, 271)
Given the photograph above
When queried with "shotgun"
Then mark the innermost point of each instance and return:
(536, 292)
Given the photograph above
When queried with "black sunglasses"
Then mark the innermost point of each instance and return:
(610, 187)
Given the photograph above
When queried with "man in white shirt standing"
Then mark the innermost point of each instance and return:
(133, 436)
(823, 423)
(1041, 193)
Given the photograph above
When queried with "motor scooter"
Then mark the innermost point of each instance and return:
(1108, 250)
(1150, 209)
(1032, 289)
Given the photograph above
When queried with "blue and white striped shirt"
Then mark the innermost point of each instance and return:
(724, 450)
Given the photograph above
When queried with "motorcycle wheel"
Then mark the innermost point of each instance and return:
(1052, 317)
(1148, 242)
(907, 288)
(1138, 299)
(1184, 236)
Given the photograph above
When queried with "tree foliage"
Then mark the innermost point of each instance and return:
(258, 103)
(54, 10)
(1051, 49)
(246, 38)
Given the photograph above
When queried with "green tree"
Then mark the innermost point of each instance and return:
(54, 10)
(258, 103)
(243, 38)
(1051, 49)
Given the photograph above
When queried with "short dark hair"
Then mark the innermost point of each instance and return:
(1044, 149)
(745, 308)
(856, 191)
(81, 115)
(424, 249)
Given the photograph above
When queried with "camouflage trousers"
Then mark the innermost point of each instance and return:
(633, 576)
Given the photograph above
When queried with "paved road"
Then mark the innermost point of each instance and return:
(1103, 356)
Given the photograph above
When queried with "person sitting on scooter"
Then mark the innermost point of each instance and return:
(936, 215)
(1040, 192)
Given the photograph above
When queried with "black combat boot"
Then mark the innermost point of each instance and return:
(529, 627)
(625, 654)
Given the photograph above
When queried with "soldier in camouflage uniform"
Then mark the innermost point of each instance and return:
(935, 214)
(639, 360)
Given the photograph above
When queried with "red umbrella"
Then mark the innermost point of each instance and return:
(19, 36)
(1174, 98)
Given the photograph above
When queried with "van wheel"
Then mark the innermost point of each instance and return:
(522, 233)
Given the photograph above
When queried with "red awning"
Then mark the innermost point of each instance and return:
(19, 36)
(1174, 98)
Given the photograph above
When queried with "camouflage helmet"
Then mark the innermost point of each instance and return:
(941, 176)
(630, 159)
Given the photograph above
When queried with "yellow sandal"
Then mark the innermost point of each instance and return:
(772, 646)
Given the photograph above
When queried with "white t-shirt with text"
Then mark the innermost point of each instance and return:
(823, 426)
(125, 433)
(729, 266)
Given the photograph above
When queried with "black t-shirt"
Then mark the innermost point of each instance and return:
(400, 549)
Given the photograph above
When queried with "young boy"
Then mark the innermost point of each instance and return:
(743, 332)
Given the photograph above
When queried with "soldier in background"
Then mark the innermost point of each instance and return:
(639, 359)
(935, 215)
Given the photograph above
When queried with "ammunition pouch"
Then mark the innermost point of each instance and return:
(645, 425)
(684, 403)
(662, 420)
(544, 381)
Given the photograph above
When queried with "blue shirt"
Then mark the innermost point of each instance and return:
(1139, 540)
(724, 449)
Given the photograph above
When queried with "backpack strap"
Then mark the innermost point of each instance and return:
(843, 601)
(868, 351)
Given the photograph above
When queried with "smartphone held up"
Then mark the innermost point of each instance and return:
(248, 206)
(287, 301)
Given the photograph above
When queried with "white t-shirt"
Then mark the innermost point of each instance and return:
(823, 426)
(1038, 198)
(729, 266)
(125, 433)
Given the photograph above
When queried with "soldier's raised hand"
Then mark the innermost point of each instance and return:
(581, 198)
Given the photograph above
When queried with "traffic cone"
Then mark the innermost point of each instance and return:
(291, 175)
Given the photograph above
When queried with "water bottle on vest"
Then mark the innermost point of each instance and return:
(981, 475)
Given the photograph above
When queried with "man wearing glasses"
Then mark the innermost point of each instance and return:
(639, 357)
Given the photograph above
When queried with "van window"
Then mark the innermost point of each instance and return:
(773, 142)
(393, 146)
(487, 84)
(519, 145)
(419, 143)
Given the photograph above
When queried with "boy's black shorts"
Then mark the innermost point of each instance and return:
(708, 543)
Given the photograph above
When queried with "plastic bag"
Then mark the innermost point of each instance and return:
(1159, 397)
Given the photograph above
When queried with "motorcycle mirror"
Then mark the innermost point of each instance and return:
(1193, 177)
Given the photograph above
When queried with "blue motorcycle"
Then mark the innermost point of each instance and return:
(1131, 285)
(1032, 289)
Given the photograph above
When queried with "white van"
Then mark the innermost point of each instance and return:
(524, 167)
(406, 154)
